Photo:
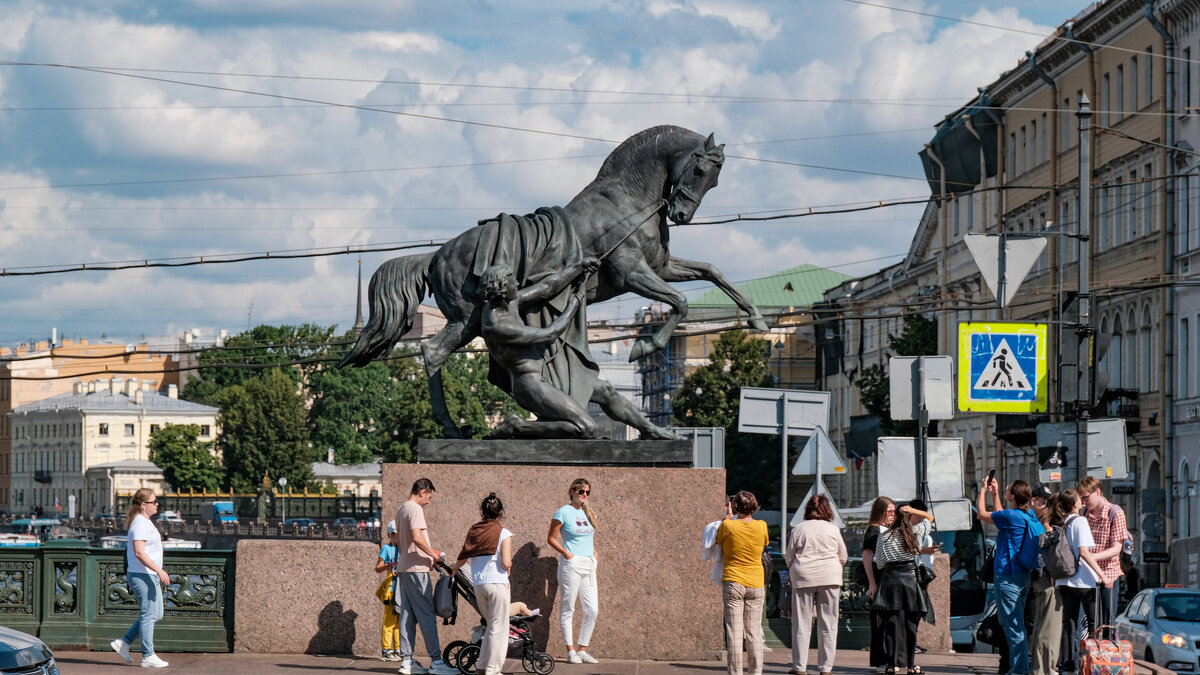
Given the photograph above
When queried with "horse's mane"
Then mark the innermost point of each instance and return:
(627, 162)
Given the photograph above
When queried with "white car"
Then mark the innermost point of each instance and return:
(170, 517)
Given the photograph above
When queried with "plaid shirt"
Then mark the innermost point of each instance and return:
(1108, 528)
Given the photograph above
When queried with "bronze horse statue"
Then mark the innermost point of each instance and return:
(618, 218)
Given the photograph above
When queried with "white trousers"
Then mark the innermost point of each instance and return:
(577, 579)
(493, 604)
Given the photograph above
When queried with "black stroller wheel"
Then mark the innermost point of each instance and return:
(537, 662)
(450, 653)
(467, 656)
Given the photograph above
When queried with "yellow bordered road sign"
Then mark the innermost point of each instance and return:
(1002, 367)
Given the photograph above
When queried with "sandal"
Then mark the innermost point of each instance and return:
(916, 670)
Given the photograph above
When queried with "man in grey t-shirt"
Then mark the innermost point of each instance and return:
(414, 589)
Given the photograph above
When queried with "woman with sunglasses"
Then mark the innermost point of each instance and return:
(146, 578)
(572, 530)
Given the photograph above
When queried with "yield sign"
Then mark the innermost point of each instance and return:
(818, 456)
(1004, 274)
(818, 488)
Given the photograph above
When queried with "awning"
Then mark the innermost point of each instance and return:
(863, 436)
(960, 151)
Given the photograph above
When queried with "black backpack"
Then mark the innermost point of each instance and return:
(1060, 561)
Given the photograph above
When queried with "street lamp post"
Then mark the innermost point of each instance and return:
(283, 494)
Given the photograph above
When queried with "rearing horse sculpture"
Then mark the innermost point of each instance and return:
(619, 218)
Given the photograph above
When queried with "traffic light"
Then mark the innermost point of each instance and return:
(1100, 378)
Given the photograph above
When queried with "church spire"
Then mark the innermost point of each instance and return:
(358, 320)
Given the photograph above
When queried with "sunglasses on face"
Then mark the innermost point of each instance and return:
(583, 493)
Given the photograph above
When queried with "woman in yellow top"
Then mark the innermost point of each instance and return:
(742, 540)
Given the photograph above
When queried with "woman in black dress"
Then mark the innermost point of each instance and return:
(899, 597)
(883, 513)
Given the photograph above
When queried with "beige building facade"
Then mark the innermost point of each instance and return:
(1008, 162)
(56, 440)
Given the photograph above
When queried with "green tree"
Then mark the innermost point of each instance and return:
(243, 356)
(710, 397)
(349, 406)
(264, 427)
(918, 337)
(186, 461)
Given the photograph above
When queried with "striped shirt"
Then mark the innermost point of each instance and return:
(890, 548)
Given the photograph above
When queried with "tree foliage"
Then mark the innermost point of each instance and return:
(918, 337)
(263, 426)
(243, 356)
(710, 397)
(186, 462)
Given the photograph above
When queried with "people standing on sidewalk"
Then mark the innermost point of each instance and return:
(145, 577)
(899, 596)
(1014, 526)
(487, 551)
(1078, 591)
(414, 588)
(743, 583)
(883, 513)
(572, 534)
(1110, 532)
(390, 630)
(1043, 609)
(816, 554)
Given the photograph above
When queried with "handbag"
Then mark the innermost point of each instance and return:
(385, 592)
(925, 575)
(990, 632)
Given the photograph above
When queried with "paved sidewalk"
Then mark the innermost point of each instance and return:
(848, 662)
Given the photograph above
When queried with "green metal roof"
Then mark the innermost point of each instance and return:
(799, 286)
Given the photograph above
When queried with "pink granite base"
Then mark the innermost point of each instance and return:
(307, 597)
(656, 599)
(935, 637)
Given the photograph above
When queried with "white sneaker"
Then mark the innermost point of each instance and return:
(573, 657)
(121, 648)
(586, 657)
(442, 668)
(412, 668)
(152, 661)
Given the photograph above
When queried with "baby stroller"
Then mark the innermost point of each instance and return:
(463, 654)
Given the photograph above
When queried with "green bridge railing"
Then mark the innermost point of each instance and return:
(74, 596)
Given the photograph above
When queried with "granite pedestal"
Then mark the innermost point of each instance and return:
(656, 599)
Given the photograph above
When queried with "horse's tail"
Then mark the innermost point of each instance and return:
(397, 289)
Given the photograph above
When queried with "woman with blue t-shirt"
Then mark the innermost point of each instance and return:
(146, 578)
(571, 532)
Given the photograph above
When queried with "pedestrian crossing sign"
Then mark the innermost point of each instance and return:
(1002, 367)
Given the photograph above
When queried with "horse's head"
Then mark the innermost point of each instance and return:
(691, 177)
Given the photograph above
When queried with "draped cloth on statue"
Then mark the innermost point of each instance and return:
(535, 246)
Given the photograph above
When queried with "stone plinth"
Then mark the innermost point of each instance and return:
(936, 636)
(307, 597)
(656, 599)
(544, 451)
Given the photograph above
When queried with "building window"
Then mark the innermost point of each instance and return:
(1012, 155)
(1033, 144)
(154, 428)
(1148, 80)
(1044, 144)
(1102, 218)
(128, 429)
(970, 211)
(1187, 79)
(1133, 84)
(1147, 355)
(205, 430)
(956, 217)
(1147, 199)
(1118, 220)
(1066, 124)
(1185, 380)
(1106, 100)
(103, 429)
(1022, 152)
(1119, 95)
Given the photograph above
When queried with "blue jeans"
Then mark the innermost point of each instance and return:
(1011, 592)
(149, 597)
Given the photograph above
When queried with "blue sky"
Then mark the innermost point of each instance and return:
(142, 130)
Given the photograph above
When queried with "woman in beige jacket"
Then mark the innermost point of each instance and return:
(815, 556)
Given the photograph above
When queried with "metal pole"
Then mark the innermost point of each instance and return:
(783, 509)
(922, 434)
(1085, 397)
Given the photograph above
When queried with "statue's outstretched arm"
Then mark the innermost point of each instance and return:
(517, 333)
(552, 285)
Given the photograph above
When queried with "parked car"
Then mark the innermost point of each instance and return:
(345, 522)
(24, 653)
(301, 524)
(1163, 625)
(170, 517)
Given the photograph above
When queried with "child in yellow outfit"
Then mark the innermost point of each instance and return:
(390, 632)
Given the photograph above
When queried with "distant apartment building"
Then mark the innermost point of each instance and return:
(30, 373)
(1008, 162)
(58, 440)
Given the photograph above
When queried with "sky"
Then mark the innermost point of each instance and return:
(143, 131)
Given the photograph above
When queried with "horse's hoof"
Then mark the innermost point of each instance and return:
(757, 323)
(641, 348)
(451, 431)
